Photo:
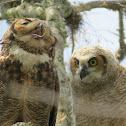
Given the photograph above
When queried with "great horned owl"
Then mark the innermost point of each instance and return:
(98, 88)
(29, 86)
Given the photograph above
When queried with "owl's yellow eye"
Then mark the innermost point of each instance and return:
(76, 62)
(93, 62)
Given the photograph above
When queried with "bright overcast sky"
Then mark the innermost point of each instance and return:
(101, 28)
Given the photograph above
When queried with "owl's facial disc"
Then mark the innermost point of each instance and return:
(89, 69)
(33, 27)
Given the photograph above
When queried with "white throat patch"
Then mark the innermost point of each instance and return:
(28, 59)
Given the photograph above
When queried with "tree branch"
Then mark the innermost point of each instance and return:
(114, 5)
(73, 42)
(121, 53)
(23, 10)
(7, 2)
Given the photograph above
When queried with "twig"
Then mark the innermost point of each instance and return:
(63, 118)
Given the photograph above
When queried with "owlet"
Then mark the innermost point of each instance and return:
(98, 88)
(29, 87)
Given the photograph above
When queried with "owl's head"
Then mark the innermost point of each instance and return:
(31, 31)
(93, 65)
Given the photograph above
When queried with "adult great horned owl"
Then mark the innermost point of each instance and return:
(98, 88)
(29, 84)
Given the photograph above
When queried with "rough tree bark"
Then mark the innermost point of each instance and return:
(56, 13)
(58, 27)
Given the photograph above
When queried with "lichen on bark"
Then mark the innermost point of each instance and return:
(24, 10)
(58, 27)
(22, 124)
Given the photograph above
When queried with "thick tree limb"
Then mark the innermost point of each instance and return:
(58, 27)
(114, 5)
(23, 10)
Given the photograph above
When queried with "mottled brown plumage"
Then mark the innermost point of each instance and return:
(98, 88)
(29, 87)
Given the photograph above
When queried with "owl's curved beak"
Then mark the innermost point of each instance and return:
(41, 27)
(84, 71)
(39, 31)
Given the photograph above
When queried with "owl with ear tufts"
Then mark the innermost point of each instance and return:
(98, 87)
(29, 86)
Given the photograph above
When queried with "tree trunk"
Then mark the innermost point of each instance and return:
(58, 27)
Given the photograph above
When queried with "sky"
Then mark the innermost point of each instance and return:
(100, 27)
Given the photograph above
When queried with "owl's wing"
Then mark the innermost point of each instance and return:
(53, 113)
(8, 110)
